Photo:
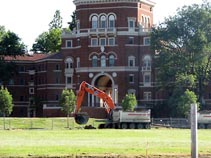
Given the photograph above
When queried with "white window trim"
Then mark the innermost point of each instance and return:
(100, 42)
(92, 39)
(147, 83)
(66, 43)
(67, 80)
(31, 90)
(113, 41)
(132, 75)
(131, 58)
(146, 96)
(146, 38)
(133, 20)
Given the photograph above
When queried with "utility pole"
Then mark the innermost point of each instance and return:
(194, 132)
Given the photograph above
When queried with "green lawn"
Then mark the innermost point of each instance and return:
(58, 123)
(40, 142)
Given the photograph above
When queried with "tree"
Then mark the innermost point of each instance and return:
(129, 102)
(50, 41)
(67, 102)
(10, 45)
(72, 24)
(5, 102)
(54, 40)
(183, 51)
(56, 23)
(41, 43)
(184, 103)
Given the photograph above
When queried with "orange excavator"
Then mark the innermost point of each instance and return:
(81, 117)
(117, 118)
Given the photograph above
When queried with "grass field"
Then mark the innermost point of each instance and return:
(60, 143)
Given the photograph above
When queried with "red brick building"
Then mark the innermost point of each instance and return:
(109, 48)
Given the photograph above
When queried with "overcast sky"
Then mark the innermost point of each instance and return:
(30, 18)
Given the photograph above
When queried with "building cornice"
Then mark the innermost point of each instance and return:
(81, 2)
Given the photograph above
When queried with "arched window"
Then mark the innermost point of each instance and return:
(103, 61)
(94, 22)
(147, 61)
(149, 23)
(111, 21)
(103, 21)
(145, 22)
(142, 21)
(69, 63)
(78, 61)
(94, 61)
(111, 60)
(131, 61)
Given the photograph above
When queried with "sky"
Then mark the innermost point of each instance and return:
(29, 18)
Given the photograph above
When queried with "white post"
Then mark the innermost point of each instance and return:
(194, 134)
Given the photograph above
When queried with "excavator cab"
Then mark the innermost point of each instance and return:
(81, 118)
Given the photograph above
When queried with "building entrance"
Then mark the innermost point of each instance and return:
(104, 83)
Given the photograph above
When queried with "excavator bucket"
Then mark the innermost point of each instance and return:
(81, 118)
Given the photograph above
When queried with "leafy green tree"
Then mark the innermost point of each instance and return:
(40, 44)
(6, 100)
(129, 102)
(50, 41)
(56, 23)
(54, 40)
(183, 51)
(184, 103)
(10, 45)
(67, 102)
(72, 24)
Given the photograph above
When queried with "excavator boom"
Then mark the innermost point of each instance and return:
(82, 118)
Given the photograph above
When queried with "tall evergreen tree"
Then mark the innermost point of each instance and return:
(56, 23)
(72, 24)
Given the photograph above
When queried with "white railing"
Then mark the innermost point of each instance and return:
(97, 31)
(146, 68)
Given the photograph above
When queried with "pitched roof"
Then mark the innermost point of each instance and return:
(33, 57)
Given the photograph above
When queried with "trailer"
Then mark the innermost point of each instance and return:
(131, 119)
(204, 119)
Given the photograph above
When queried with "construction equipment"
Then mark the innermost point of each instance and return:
(118, 118)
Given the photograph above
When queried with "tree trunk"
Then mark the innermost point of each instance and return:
(68, 120)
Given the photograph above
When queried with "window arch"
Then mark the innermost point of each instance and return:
(111, 60)
(94, 61)
(103, 21)
(148, 23)
(103, 61)
(111, 21)
(94, 20)
(69, 63)
(147, 61)
(142, 20)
